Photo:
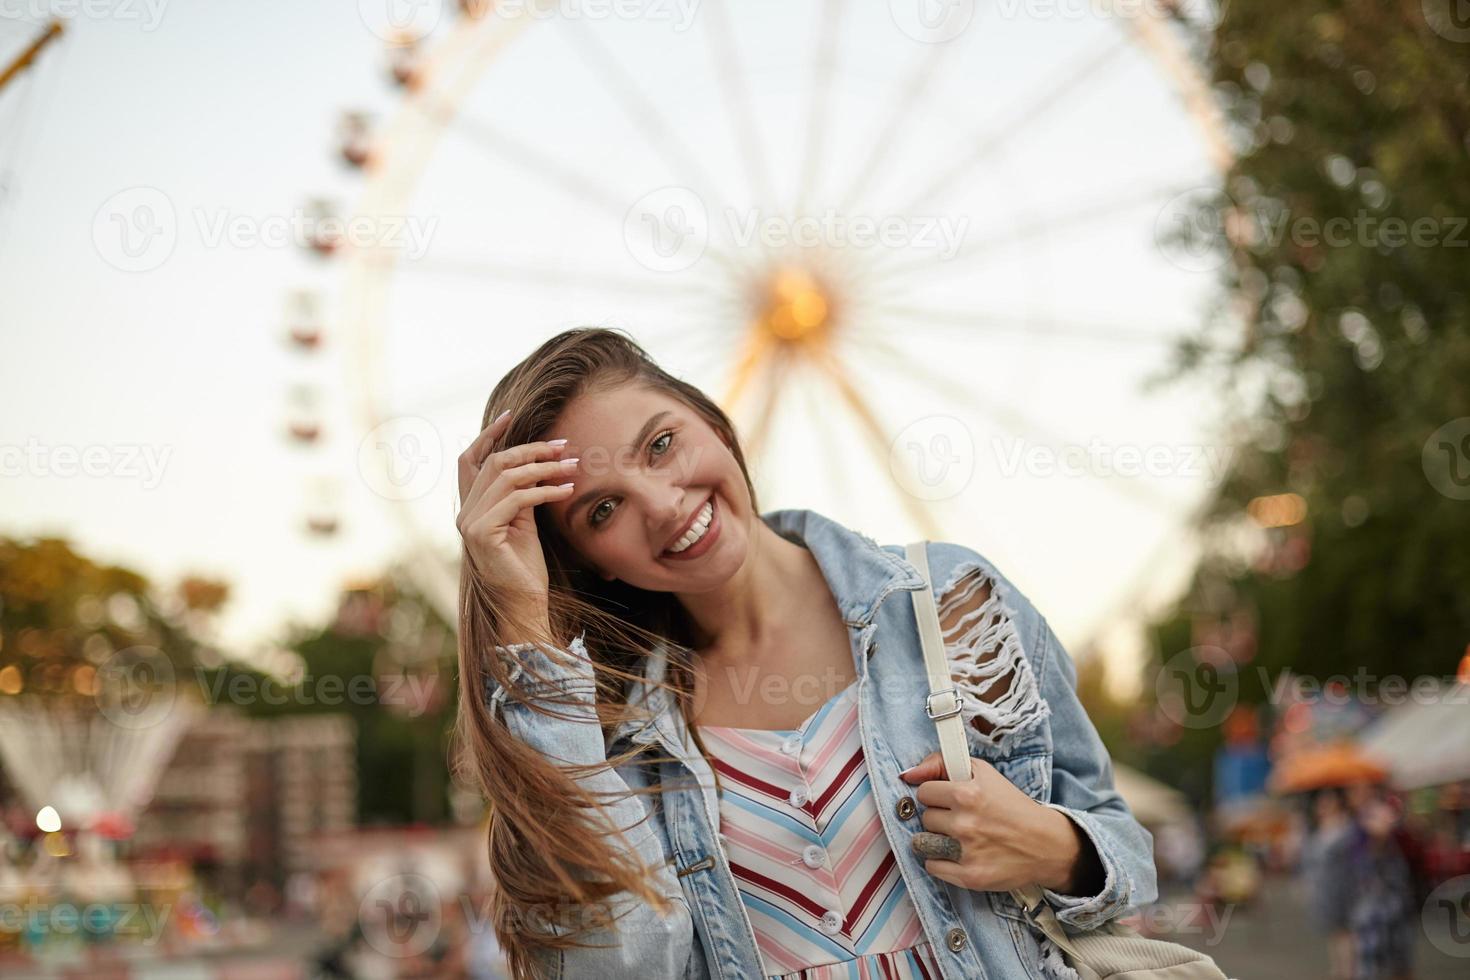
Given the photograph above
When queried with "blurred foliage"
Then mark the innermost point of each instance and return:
(1357, 345)
(64, 616)
(388, 660)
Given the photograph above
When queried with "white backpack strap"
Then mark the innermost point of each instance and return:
(943, 703)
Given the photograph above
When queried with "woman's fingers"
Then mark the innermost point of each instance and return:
(494, 484)
(506, 508)
(474, 455)
(497, 463)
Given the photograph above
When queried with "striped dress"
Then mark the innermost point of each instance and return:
(813, 865)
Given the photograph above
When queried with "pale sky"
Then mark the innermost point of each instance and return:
(165, 372)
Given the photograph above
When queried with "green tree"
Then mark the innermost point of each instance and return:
(1344, 224)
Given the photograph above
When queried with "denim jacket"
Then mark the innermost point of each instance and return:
(1043, 742)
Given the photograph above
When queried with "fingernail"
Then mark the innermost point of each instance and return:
(563, 486)
(570, 461)
(557, 442)
(501, 416)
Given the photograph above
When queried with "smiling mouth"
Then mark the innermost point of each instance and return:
(697, 530)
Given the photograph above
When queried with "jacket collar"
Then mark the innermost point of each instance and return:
(859, 573)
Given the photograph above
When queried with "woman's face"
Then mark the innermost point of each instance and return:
(648, 466)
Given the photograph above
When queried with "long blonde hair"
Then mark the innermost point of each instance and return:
(555, 858)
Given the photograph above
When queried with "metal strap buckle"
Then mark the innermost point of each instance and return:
(948, 713)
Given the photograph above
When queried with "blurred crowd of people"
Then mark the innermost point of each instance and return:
(1368, 867)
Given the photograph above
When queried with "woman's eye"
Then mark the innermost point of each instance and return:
(666, 440)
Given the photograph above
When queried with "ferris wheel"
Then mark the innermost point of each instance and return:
(906, 245)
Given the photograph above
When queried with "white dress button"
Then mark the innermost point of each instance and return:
(798, 796)
(831, 922)
(792, 745)
(812, 856)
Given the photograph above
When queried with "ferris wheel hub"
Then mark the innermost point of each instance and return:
(796, 305)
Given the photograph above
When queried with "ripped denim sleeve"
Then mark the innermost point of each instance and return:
(1001, 693)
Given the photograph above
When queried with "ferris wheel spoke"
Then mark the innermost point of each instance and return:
(987, 142)
(867, 420)
(898, 117)
(775, 373)
(971, 320)
(654, 127)
(1079, 215)
(904, 364)
(817, 97)
(737, 103)
(546, 167)
(547, 273)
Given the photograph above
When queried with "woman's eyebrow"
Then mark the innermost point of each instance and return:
(638, 440)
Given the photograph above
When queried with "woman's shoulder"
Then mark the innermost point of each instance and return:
(959, 570)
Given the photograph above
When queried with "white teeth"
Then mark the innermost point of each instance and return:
(697, 529)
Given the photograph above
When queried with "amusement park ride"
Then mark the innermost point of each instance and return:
(543, 142)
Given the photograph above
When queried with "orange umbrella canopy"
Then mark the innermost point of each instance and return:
(1330, 765)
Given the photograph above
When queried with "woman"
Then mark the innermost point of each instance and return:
(1327, 874)
(761, 794)
(1384, 912)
